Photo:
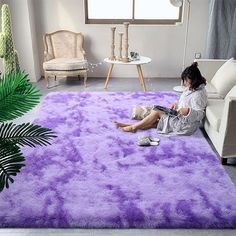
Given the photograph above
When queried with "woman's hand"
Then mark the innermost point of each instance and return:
(183, 111)
(174, 106)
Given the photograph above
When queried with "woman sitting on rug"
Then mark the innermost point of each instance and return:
(190, 107)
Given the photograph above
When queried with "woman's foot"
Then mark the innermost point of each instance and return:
(129, 128)
(119, 124)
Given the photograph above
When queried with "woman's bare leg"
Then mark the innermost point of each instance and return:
(149, 126)
(148, 122)
(120, 124)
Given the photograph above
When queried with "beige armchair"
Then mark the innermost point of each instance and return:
(64, 55)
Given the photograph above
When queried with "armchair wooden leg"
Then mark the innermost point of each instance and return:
(223, 161)
(46, 78)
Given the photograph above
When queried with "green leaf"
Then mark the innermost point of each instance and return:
(17, 96)
(26, 134)
(11, 160)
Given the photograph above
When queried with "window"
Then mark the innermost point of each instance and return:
(134, 11)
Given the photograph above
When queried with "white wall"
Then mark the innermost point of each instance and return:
(163, 43)
(34, 41)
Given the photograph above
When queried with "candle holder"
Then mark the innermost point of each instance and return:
(112, 57)
(126, 57)
(120, 47)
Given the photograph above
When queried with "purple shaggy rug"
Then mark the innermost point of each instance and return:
(95, 176)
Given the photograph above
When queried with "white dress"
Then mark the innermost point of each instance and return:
(185, 125)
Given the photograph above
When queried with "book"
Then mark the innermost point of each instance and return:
(166, 110)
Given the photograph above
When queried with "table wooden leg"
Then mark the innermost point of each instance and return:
(85, 79)
(141, 77)
(108, 75)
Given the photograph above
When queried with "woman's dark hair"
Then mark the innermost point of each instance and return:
(193, 73)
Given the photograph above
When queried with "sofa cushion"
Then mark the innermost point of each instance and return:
(212, 92)
(214, 112)
(225, 77)
(210, 88)
(214, 96)
(65, 64)
(232, 92)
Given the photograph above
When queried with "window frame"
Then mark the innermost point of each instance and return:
(132, 21)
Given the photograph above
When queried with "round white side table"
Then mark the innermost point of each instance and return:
(179, 88)
(141, 61)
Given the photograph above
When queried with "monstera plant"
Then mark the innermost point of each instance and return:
(17, 96)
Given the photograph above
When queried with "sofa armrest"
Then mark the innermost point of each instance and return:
(228, 127)
(209, 67)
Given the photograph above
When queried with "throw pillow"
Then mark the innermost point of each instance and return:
(225, 77)
(140, 112)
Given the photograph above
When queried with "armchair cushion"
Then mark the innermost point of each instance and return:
(65, 64)
(214, 112)
(225, 77)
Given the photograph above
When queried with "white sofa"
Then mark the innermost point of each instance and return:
(220, 121)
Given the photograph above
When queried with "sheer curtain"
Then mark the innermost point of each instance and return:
(221, 38)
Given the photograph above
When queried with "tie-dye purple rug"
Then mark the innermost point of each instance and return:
(95, 176)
